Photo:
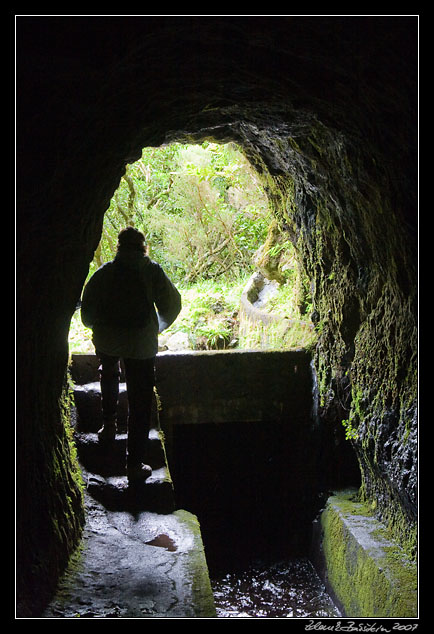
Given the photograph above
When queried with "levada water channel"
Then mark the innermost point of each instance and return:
(255, 527)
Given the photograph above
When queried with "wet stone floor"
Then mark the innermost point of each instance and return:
(289, 589)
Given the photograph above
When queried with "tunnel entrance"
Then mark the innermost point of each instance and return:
(209, 223)
(328, 108)
(255, 485)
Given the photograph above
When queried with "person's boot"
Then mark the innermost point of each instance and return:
(137, 474)
(107, 433)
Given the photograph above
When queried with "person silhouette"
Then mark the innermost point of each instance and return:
(126, 303)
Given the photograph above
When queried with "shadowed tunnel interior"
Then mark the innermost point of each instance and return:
(325, 109)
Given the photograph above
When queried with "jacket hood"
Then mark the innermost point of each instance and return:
(132, 259)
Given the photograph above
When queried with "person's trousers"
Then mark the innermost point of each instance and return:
(140, 380)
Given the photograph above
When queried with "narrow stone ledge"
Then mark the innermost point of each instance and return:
(142, 565)
(367, 574)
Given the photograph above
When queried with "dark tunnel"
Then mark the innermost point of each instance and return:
(326, 110)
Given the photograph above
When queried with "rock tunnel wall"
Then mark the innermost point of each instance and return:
(326, 110)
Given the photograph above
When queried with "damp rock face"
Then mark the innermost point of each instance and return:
(325, 109)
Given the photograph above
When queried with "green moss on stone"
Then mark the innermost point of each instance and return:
(350, 243)
(369, 574)
(203, 601)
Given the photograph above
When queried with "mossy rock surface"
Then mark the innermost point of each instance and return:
(370, 575)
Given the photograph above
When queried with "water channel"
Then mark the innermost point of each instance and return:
(283, 589)
(256, 533)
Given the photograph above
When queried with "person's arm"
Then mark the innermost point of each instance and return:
(167, 300)
(90, 301)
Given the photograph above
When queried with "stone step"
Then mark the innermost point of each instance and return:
(109, 459)
(155, 495)
(103, 465)
(87, 398)
(84, 369)
(103, 468)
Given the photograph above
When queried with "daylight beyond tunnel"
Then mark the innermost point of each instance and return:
(208, 223)
(325, 111)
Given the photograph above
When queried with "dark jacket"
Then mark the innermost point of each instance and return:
(119, 303)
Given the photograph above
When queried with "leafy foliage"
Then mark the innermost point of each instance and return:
(205, 214)
(350, 432)
(201, 207)
(209, 315)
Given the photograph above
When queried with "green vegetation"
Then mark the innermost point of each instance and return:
(209, 316)
(80, 337)
(350, 431)
(278, 336)
(206, 218)
(202, 208)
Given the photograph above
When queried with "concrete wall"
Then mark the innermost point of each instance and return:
(211, 387)
(233, 386)
(223, 387)
(214, 386)
(243, 449)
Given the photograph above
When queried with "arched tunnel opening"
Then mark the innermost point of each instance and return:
(256, 479)
(208, 223)
(341, 182)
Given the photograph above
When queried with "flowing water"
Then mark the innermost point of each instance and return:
(286, 589)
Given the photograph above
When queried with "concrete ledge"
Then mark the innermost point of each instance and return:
(210, 387)
(233, 386)
(145, 565)
(366, 573)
